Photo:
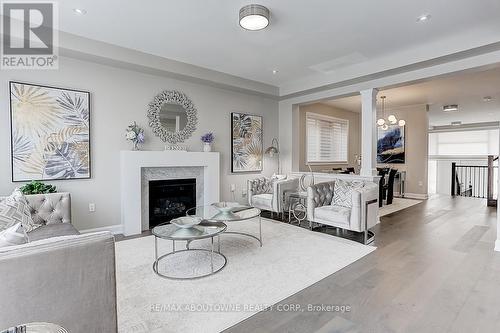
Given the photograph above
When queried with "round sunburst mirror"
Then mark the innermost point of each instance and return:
(172, 116)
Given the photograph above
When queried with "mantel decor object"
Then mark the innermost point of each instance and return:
(169, 147)
(207, 140)
(135, 134)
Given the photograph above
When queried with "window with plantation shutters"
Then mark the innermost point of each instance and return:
(327, 139)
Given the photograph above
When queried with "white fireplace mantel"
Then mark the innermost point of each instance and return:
(131, 165)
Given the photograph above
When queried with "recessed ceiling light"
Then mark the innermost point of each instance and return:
(80, 11)
(487, 98)
(450, 108)
(424, 18)
(254, 17)
(275, 71)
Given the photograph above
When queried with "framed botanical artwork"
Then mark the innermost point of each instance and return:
(50, 132)
(391, 145)
(246, 143)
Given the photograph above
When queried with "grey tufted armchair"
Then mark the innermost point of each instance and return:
(263, 193)
(360, 217)
(53, 212)
(60, 276)
(50, 208)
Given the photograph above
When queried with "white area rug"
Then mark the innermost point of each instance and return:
(291, 259)
(397, 205)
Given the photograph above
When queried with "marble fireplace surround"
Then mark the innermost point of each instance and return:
(137, 168)
(164, 173)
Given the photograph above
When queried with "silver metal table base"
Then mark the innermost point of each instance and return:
(212, 254)
(259, 239)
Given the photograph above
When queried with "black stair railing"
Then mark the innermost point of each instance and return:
(473, 180)
(492, 179)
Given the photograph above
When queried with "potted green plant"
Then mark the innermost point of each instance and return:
(36, 187)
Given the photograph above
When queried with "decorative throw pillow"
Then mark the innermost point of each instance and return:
(342, 192)
(14, 209)
(14, 235)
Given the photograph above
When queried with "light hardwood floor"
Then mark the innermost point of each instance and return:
(434, 271)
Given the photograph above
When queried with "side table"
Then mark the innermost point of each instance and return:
(297, 205)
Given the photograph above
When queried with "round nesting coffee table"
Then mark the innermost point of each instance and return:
(173, 233)
(238, 213)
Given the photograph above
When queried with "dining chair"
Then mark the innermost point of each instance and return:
(389, 187)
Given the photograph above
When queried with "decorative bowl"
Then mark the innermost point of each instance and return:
(226, 207)
(185, 222)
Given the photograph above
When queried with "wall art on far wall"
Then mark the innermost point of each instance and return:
(391, 145)
(50, 132)
(246, 143)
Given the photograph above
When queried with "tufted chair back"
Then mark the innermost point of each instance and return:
(50, 208)
(319, 195)
(322, 193)
(261, 185)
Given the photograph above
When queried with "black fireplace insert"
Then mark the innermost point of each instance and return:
(169, 199)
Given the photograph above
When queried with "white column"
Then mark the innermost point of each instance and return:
(288, 148)
(497, 243)
(369, 132)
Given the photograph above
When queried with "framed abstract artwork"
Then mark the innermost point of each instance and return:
(246, 143)
(50, 132)
(391, 145)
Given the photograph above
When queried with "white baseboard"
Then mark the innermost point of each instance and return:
(416, 196)
(497, 245)
(115, 229)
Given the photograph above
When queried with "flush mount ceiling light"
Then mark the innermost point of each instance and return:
(424, 18)
(254, 17)
(450, 108)
(79, 11)
(275, 71)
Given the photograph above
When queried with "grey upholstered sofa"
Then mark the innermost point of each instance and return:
(60, 276)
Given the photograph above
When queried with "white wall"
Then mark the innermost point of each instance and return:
(119, 97)
(441, 175)
(465, 147)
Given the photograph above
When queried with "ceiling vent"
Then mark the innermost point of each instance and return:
(334, 64)
(450, 108)
(456, 123)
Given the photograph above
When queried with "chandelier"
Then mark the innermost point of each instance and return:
(391, 120)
